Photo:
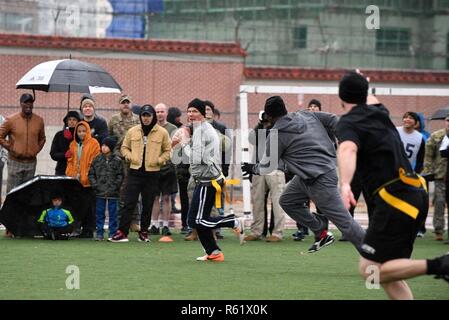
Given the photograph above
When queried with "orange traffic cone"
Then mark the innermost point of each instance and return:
(166, 239)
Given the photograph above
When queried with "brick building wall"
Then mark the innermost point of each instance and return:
(397, 105)
(142, 68)
(174, 72)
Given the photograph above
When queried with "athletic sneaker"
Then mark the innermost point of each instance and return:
(239, 230)
(64, 236)
(218, 257)
(143, 237)
(326, 238)
(119, 237)
(420, 234)
(165, 231)
(298, 235)
(185, 230)
(444, 268)
(154, 230)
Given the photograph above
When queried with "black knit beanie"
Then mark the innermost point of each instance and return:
(199, 105)
(111, 142)
(210, 104)
(353, 88)
(275, 107)
(315, 102)
(412, 114)
(72, 114)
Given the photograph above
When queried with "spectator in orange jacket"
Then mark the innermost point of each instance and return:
(82, 151)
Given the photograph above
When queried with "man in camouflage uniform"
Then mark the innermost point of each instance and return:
(118, 126)
(435, 165)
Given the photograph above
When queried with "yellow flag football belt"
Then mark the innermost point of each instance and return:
(415, 181)
(219, 190)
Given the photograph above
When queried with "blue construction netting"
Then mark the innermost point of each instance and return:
(129, 17)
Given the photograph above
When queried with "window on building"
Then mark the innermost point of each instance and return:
(393, 41)
(16, 22)
(443, 4)
(300, 37)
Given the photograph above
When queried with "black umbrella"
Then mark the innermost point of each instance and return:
(69, 75)
(24, 204)
(440, 114)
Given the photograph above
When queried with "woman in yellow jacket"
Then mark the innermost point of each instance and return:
(82, 151)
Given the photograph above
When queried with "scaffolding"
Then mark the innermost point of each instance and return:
(414, 34)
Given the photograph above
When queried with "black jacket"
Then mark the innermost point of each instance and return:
(99, 128)
(59, 147)
(225, 158)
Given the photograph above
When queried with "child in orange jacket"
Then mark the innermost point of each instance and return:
(82, 151)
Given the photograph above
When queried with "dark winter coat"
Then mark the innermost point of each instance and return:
(106, 176)
(59, 147)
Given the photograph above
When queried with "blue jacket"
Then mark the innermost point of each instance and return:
(56, 217)
(422, 125)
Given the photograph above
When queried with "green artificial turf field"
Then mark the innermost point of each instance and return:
(36, 269)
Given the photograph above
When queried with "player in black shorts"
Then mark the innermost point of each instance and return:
(399, 201)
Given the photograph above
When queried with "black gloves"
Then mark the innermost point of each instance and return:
(429, 177)
(247, 169)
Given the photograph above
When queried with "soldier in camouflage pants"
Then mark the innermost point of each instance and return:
(435, 165)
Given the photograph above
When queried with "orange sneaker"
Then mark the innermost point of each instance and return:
(219, 257)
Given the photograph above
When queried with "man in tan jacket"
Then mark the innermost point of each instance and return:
(23, 135)
(147, 148)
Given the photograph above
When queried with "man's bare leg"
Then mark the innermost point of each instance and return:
(393, 272)
(166, 209)
(155, 213)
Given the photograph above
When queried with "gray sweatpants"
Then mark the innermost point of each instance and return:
(323, 191)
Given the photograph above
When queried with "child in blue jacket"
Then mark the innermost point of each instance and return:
(56, 222)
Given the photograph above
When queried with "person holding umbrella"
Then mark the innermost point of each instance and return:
(62, 140)
(98, 125)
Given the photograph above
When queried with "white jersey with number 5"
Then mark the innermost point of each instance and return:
(413, 143)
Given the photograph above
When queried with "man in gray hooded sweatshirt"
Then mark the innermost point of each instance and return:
(306, 149)
(202, 146)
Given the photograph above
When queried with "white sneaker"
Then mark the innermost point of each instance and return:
(203, 258)
(240, 229)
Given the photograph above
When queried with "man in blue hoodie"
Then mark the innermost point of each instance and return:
(307, 151)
